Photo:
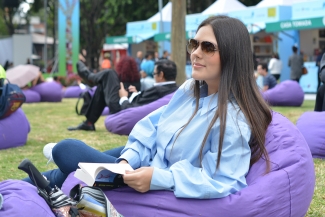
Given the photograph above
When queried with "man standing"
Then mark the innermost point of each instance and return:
(165, 55)
(138, 59)
(295, 63)
(268, 80)
(164, 74)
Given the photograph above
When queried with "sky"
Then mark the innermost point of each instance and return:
(25, 6)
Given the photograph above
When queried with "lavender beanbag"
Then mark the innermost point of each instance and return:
(49, 91)
(286, 93)
(32, 96)
(14, 130)
(21, 199)
(72, 92)
(105, 111)
(312, 127)
(286, 191)
(123, 121)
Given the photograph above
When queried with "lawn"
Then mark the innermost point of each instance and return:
(49, 122)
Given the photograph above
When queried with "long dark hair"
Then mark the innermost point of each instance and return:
(127, 70)
(237, 81)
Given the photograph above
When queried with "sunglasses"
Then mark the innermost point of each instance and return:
(208, 48)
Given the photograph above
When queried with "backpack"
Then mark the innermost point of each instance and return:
(11, 98)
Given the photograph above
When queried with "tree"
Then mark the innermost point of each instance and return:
(3, 27)
(178, 39)
(97, 18)
(8, 15)
(102, 18)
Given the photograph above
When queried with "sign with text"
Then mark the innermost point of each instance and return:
(264, 14)
(119, 40)
(296, 24)
(140, 27)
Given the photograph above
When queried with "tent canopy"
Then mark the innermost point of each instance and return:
(166, 14)
(224, 6)
(268, 3)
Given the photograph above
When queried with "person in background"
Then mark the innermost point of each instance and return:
(2, 73)
(156, 56)
(165, 55)
(28, 61)
(318, 59)
(139, 59)
(295, 63)
(320, 96)
(146, 72)
(106, 63)
(275, 66)
(107, 92)
(83, 56)
(268, 80)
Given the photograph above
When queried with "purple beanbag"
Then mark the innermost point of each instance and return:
(123, 121)
(312, 127)
(105, 111)
(72, 92)
(286, 93)
(286, 191)
(21, 199)
(49, 91)
(32, 96)
(14, 130)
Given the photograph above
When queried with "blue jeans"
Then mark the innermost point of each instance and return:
(68, 153)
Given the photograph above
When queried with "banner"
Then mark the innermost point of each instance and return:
(68, 17)
(312, 23)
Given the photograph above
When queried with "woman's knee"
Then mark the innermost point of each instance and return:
(65, 146)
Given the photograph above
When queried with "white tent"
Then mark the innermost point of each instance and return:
(268, 3)
(166, 14)
(224, 6)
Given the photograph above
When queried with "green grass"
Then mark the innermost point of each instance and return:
(49, 122)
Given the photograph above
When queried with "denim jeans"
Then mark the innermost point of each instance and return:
(68, 153)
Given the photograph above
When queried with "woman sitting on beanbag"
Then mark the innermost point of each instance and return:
(201, 144)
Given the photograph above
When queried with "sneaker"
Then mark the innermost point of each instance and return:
(47, 151)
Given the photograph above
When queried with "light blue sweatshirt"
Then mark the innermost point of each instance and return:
(176, 163)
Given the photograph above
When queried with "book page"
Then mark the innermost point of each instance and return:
(94, 168)
(84, 177)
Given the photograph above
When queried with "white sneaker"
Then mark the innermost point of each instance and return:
(47, 151)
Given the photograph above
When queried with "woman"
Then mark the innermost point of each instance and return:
(203, 142)
(275, 66)
(127, 72)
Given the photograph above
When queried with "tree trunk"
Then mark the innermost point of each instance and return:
(178, 38)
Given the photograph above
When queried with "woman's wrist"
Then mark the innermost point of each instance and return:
(123, 162)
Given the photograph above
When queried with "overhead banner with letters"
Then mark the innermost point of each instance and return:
(312, 23)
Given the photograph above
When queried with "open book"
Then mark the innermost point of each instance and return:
(103, 175)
